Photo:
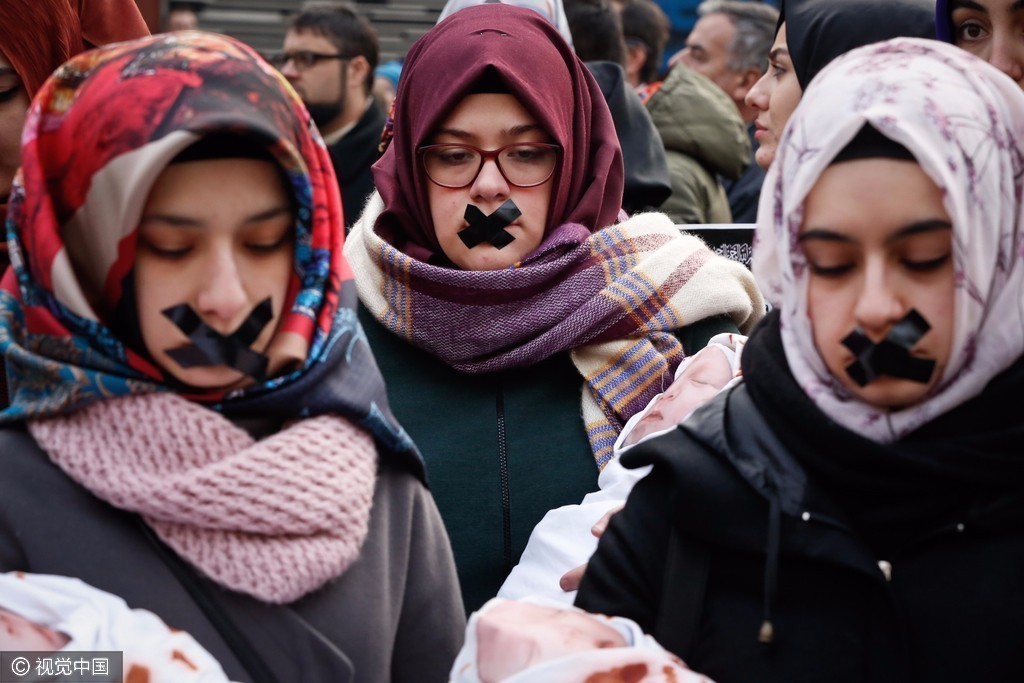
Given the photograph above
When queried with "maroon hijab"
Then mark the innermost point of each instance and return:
(543, 73)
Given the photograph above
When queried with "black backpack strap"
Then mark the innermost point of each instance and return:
(235, 639)
(687, 567)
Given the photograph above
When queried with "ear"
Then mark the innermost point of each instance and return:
(358, 70)
(747, 80)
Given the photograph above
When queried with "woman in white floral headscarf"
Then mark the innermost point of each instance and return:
(854, 509)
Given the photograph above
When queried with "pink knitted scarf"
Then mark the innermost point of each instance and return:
(275, 518)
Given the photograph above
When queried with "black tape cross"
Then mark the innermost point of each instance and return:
(891, 356)
(490, 229)
(209, 347)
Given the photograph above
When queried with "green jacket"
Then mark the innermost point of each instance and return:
(501, 448)
(704, 138)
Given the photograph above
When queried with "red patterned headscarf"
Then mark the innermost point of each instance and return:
(98, 135)
(542, 72)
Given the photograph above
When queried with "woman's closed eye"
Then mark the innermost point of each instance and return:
(9, 93)
(455, 156)
(926, 265)
(830, 269)
(268, 246)
(528, 155)
(169, 250)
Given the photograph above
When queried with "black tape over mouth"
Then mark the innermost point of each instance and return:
(490, 229)
(891, 356)
(208, 347)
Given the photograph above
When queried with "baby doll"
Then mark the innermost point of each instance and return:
(566, 536)
(537, 641)
(46, 613)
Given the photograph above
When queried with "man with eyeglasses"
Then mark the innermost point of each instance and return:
(330, 52)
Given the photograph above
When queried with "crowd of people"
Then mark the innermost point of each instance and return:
(309, 358)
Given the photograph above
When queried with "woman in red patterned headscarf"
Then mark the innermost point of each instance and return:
(189, 379)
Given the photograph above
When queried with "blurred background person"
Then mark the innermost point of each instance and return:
(37, 36)
(385, 84)
(990, 29)
(646, 29)
(596, 31)
(184, 16)
(704, 139)
(810, 34)
(729, 44)
(329, 56)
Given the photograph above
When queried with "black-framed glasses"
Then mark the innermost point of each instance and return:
(302, 59)
(523, 164)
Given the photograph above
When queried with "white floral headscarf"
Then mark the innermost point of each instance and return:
(964, 122)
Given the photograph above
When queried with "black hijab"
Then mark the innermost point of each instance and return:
(962, 466)
(818, 31)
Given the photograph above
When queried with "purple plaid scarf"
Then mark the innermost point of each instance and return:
(613, 298)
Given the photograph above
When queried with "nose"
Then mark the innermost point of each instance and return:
(289, 71)
(490, 185)
(222, 298)
(683, 56)
(879, 305)
(1007, 55)
(757, 96)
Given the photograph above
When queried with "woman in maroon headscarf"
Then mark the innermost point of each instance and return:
(37, 36)
(497, 282)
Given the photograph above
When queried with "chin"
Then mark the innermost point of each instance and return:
(892, 393)
(764, 156)
(212, 378)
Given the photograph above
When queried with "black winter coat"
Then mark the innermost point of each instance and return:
(730, 531)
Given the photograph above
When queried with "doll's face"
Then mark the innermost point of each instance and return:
(13, 107)
(490, 121)
(514, 636)
(217, 235)
(18, 633)
(992, 30)
(878, 243)
(698, 383)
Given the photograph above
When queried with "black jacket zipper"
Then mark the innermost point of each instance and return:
(506, 506)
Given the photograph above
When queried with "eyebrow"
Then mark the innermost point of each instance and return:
(927, 225)
(777, 52)
(977, 6)
(514, 131)
(7, 70)
(187, 222)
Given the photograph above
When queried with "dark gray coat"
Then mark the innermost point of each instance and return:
(395, 615)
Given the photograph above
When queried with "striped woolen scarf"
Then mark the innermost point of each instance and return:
(612, 298)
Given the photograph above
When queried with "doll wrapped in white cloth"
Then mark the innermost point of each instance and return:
(46, 613)
(540, 641)
(563, 540)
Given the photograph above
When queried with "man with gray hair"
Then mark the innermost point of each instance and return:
(729, 44)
